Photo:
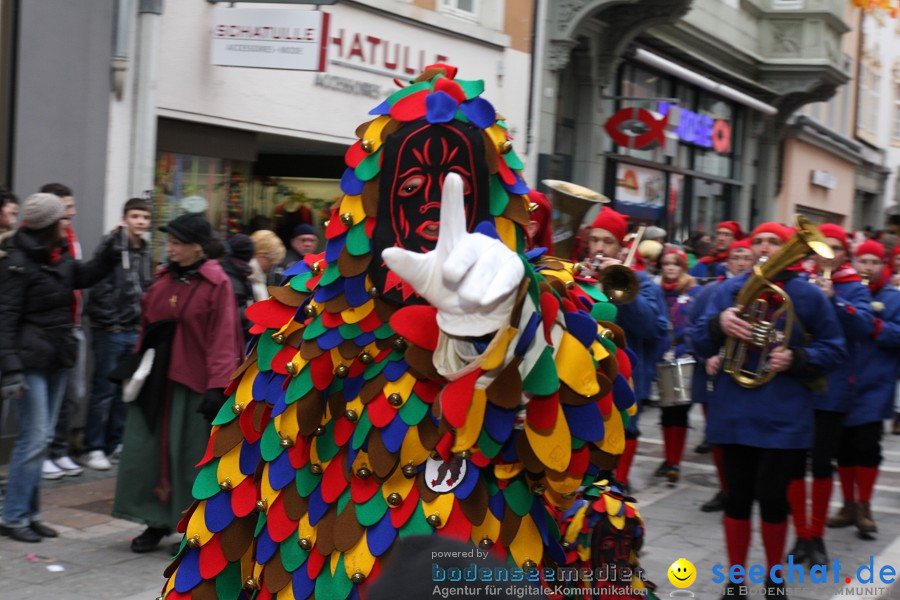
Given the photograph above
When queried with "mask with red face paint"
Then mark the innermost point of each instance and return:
(416, 158)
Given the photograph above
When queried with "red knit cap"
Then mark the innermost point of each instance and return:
(870, 247)
(895, 251)
(613, 222)
(682, 257)
(775, 228)
(732, 226)
(835, 231)
(743, 244)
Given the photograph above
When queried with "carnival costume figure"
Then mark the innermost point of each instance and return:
(422, 376)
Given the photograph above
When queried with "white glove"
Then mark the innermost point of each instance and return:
(469, 277)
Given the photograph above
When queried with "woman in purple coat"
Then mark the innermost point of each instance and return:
(189, 317)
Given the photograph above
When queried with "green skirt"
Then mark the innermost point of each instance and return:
(141, 488)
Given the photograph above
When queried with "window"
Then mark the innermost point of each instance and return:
(467, 9)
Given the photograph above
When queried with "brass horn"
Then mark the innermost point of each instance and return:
(765, 335)
(570, 203)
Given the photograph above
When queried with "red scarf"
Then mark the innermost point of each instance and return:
(845, 274)
(721, 256)
(876, 285)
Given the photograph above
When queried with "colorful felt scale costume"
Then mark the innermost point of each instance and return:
(351, 423)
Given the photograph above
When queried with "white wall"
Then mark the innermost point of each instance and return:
(289, 103)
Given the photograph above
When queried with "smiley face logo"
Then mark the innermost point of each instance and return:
(682, 573)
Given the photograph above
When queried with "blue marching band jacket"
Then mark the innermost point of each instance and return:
(778, 414)
(879, 362)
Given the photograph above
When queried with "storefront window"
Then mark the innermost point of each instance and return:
(709, 204)
(234, 200)
(644, 89)
(676, 194)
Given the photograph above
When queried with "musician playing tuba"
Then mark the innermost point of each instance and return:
(765, 429)
(851, 303)
(644, 319)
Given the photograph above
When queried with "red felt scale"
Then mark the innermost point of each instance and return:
(209, 454)
(251, 435)
(270, 313)
(411, 107)
(355, 155)
(541, 411)
(457, 525)
(362, 489)
(418, 324)
(457, 397)
(380, 412)
(280, 525)
(314, 564)
(401, 514)
(334, 482)
(581, 459)
(244, 497)
(284, 356)
(212, 559)
(321, 368)
(343, 429)
(298, 454)
(549, 310)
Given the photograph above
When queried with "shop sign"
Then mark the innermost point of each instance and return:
(642, 129)
(701, 130)
(823, 179)
(351, 86)
(372, 53)
(270, 38)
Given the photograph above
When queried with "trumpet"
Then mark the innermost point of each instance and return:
(618, 282)
(823, 280)
(765, 334)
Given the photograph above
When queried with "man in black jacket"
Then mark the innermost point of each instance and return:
(114, 308)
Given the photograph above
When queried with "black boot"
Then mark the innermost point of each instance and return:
(801, 551)
(775, 591)
(716, 504)
(149, 539)
(817, 553)
(662, 470)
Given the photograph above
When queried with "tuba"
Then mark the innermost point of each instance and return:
(766, 335)
(571, 203)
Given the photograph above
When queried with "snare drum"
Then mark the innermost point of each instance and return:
(675, 381)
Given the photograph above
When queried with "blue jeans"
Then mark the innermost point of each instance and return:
(36, 411)
(106, 412)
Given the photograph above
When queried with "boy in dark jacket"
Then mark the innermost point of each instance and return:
(114, 308)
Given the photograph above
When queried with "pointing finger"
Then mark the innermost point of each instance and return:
(453, 214)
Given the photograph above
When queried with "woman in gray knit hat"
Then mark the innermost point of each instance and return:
(37, 348)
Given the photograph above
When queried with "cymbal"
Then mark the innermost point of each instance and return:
(574, 190)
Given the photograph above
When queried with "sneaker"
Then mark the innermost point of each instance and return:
(97, 460)
(50, 471)
(116, 454)
(68, 466)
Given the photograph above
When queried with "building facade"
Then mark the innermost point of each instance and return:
(736, 70)
(265, 145)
